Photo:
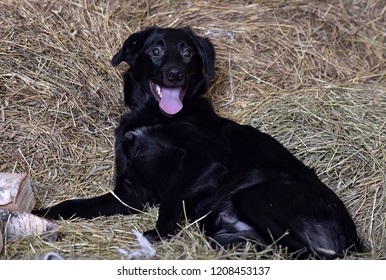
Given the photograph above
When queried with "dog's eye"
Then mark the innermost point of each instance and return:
(156, 52)
(188, 53)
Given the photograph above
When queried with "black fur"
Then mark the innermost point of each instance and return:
(244, 182)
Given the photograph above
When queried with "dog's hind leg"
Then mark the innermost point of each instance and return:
(297, 215)
(235, 233)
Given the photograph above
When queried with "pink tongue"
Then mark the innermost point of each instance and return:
(170, 102)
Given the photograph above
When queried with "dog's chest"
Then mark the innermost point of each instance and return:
(142, 132)
(148, 142)
(152, 153)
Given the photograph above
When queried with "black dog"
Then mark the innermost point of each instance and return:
(173, 150)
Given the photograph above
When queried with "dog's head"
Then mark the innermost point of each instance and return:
(171, 64)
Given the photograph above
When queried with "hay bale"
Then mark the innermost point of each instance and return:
(310, 73)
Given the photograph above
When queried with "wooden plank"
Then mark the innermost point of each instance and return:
(19, 224)
(16, 192)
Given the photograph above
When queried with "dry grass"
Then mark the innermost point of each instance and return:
(310, 73)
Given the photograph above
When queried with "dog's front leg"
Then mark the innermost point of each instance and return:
(206, 177)
(104, 205)
(170, 211)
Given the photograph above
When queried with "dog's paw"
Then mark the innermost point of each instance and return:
(46, 213)
(50, 214)
(152, 235)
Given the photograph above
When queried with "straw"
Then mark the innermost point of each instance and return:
(310, 73)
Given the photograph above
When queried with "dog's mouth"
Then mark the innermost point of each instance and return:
(169, 98)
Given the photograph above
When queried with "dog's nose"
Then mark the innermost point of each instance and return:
(174, 75)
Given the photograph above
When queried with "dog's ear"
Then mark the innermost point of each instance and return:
(206, 51)
(132, 47)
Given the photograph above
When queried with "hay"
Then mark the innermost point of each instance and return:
(310, 73)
